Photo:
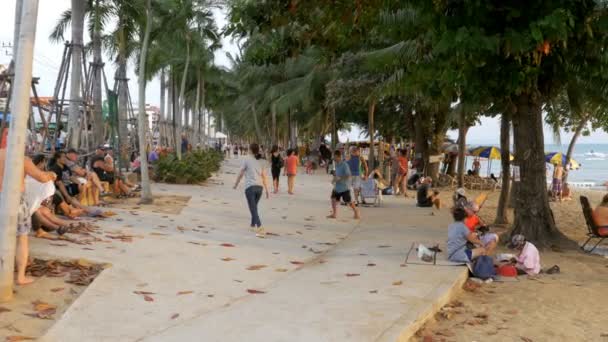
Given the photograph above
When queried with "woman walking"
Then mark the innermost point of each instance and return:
(255, 183)
(291, 169)
(276, 164)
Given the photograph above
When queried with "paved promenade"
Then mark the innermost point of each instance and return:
(313, 279)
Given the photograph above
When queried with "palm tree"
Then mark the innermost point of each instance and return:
(74, 129)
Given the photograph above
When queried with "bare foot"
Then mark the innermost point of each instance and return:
(24, 281)
(41, 234)
(331, 216)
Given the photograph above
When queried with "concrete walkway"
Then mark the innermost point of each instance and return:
(323, 280)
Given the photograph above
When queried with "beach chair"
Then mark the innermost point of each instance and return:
(593, 229)
(370, 190)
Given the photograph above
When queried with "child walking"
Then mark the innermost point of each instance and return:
(255, 183)
(341, 189)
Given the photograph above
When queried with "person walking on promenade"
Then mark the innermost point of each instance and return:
(291, 169)
(255, 184)
(276, 164)
(341, 190)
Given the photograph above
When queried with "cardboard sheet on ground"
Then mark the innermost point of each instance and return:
(440, 259)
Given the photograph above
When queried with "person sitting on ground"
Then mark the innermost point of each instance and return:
(341, 189)
(66, 182)
(426, 198)
(413, 182)
(461, 240)
(600, 216)
(488, 240)
(105, 171)
(460, 198)
(527, 260)
(83, 176)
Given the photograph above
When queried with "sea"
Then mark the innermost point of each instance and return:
(592, 157)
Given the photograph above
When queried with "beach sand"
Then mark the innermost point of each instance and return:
(569, 306)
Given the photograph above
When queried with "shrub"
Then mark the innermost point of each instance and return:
(195, 167)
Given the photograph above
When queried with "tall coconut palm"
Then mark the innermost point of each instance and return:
(74, 129)
(146, 193)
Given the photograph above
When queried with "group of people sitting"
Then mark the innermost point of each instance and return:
(469, 238)
(57, 191)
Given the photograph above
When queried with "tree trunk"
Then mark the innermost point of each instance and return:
(163, 118)
(421, 142)
(434, 149)
(334, 129)
(98, 124)
(78, 9)
(181, 101)
(146, 191)
(577, 133)
(16, 30)
(273, 110)
(533, 216)
(505, 162)
(462, 144)
(123, 113)
(15, 151)
(171, 110)
(203, 110)
(197, 111)
(371, 129)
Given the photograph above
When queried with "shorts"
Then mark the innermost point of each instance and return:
(557, 185)
(345, 196)
(356, 182)
(488, 238)
(72, 189)
(24, 219)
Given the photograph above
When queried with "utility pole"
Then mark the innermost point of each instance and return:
(13, 170)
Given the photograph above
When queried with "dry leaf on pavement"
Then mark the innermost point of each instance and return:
(252, 291)
(371, 265)
(297, 262)
(281, 270)
(144, 293)
(148, 298)
(352, 274)
(184, 292)
(398, 283)
(255, 267)
(227, 245)
(57, 289)
(228, 259)
(174, 316)
(15, 338)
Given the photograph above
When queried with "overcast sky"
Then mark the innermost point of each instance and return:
(47, 59)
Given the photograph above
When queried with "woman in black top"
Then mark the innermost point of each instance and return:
(276, 164)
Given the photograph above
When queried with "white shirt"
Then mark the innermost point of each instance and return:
(253, 171)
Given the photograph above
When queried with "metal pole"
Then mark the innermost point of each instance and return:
(13, 170)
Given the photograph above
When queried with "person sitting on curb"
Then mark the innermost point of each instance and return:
(600, 216)
(527, 260)
(425, 198)
(91, 177)
(489, 241)
(461, 240)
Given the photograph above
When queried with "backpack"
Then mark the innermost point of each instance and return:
(483, 267)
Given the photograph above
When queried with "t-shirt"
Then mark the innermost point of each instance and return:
(402, 165)
(253, 172)
(354, 163)
(422, 194)
(457, 241)
(291, 165)
(71, 165)
(342, 170)
(472, 222)
(529, 259)
(153, 156)
(63, 173)
(276, 162)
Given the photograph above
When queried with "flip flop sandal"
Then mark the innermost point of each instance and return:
(553, 270)
(62, 230)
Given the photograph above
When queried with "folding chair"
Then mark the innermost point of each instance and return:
(370, 190)
(592, 228)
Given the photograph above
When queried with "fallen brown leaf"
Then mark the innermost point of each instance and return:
(15, 338)
(3, 309)
(41, 306)
(373, 291)
(525, 339)
(255, 267)
(174, 316)
(227, 245)
(398, 283)
(198, 243)
(384, 246)
(88, 249)
(144, 293)
(158, 234)
(57, 289)
(371, 264)
(184, 292)
(252, 291)
(352, 274)
(148, 298)
(228, 259)
(281, 270)
(58, 244)
(297, 262)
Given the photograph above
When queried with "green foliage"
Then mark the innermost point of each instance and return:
(195, 167)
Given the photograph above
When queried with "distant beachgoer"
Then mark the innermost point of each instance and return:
(402, 172)
(460, 198)
(425, 198)
(489, 241)
(291, 169)
(153, 156)
(356, 164)
(341, 190)
(255, 184)
(556, 185)
(476, 167)
(276, 164)
(527, 260)
(600, 216)
(461, 240)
